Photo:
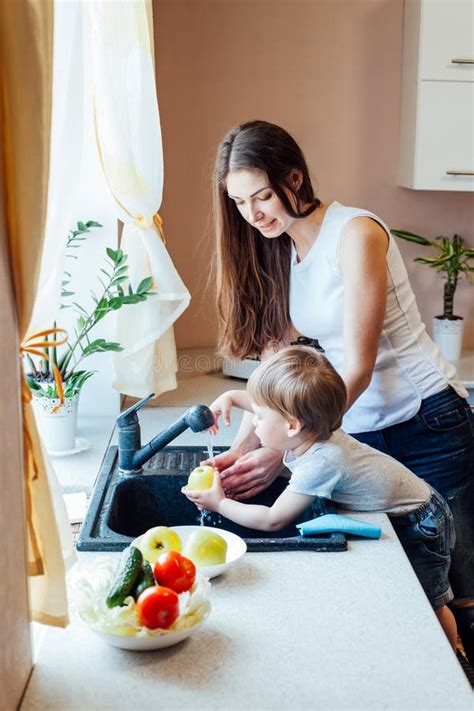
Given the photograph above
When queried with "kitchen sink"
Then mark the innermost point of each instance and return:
(123, 506)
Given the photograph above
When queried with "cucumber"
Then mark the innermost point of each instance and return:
(146, 579)
(126, 575)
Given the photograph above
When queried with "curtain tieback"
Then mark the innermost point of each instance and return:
(32, 345)
(156, 220)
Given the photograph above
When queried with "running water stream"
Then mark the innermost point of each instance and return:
(204, 515)
(210, 448)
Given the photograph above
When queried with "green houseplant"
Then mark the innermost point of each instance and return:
(453, 260)
(58, 375)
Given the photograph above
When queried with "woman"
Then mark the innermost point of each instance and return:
(286, 259)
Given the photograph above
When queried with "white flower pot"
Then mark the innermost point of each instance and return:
(57, 429)
(447, 334)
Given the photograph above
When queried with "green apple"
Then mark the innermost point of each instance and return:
(201, 478)
(157, 540)
(205, 548)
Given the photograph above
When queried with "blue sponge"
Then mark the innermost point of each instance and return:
(335, 522)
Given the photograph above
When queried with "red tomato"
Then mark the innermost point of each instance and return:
(158, 607)
(175, 571)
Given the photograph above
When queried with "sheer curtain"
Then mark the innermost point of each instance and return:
(66, 156)
(129, 141)
(26, 93)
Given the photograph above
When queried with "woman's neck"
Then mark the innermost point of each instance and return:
(304, 231)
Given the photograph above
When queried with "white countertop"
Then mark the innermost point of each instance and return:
(79, 471)
(293, 630)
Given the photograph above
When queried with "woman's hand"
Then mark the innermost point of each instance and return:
(249, 474)
(222, 461)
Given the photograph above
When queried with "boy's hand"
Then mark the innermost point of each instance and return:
(208, 498)
(221, 407)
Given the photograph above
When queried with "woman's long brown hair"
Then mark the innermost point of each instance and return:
(253, 272)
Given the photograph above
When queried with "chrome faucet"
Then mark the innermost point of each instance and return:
(132, 455)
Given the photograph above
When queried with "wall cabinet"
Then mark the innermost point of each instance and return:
(437, 118)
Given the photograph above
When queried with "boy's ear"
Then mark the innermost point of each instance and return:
(293, 427)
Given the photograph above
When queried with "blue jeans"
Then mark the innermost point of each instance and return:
(437, 444)
(427, 536)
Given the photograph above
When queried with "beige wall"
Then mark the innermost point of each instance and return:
(329, 71)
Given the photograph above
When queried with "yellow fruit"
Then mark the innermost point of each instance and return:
(205, 548)
(157, 540)
(201, 478)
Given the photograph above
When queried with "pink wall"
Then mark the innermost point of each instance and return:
(329, 71)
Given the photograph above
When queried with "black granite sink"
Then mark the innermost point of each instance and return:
(123, 507)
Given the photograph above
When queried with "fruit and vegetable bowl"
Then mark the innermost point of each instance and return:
(213, 550)
(120, 599)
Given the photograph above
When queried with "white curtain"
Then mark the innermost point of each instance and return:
(129, 141)
(66, 138)
(65, 159)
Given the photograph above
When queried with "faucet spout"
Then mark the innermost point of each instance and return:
(132, 456)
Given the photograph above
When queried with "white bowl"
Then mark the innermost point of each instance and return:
(88, 585)
(144, 644)
(236, 547)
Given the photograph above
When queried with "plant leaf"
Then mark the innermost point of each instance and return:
(100, 345)
(132, 299)
(411, 237)
(433, 261)
(119, 280)
(145, 285)
(116, 302)
(78, 306)
(32, 384)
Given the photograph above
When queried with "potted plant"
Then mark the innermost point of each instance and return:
(454, 260)
(58, 375)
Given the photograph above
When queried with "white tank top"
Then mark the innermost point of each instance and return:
(409, 366)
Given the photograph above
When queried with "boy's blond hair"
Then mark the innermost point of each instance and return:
(298, 382)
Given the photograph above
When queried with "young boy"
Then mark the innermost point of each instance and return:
(298, 400)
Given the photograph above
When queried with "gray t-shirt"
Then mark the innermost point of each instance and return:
(355, 476)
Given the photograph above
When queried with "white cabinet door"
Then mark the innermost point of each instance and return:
(447, 34)
(445, 136)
